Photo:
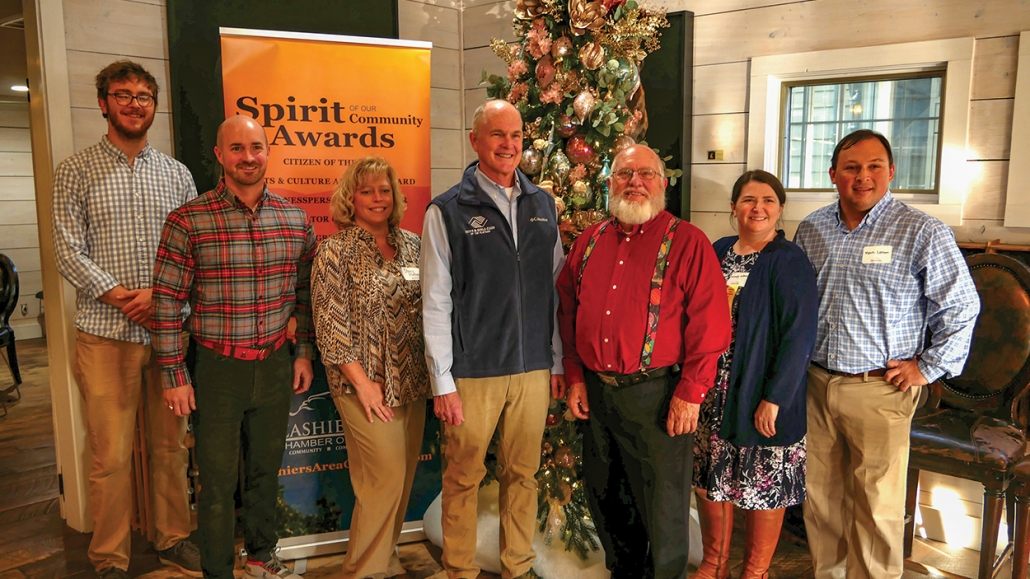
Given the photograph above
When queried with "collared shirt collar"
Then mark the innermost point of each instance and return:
(229, 197)
(875, 213)
(113, 150)
(488, 184)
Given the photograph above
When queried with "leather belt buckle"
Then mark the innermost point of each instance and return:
(608, 379)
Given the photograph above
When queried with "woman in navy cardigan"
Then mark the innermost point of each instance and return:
(750, 443)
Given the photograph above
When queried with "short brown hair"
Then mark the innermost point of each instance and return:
(758, 176)
(341, 205)
(123, 70)
(857, 137)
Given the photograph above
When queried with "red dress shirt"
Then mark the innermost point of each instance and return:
(603, 328)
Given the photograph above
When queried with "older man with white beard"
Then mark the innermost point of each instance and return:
(643, 318)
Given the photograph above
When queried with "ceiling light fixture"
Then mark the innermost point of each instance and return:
(20, 88)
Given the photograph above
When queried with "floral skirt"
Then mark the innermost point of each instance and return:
(751, 477)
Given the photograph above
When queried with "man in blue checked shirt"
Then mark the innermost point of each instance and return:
(110, 202)
(886, 274)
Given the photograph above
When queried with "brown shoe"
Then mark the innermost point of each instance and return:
(761, 534)
(716, 529)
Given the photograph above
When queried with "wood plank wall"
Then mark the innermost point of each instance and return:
(728, 33)
(19, 237)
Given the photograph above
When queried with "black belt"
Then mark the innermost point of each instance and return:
(877, 373)
(622, 380)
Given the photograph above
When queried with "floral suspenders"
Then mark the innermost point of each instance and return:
(655, 298)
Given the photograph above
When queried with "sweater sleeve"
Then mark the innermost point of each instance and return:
(796, 303)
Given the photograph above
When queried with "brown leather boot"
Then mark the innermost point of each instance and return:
(716, 527)
(761, 534)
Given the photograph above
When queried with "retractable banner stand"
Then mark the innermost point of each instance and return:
(325, 101)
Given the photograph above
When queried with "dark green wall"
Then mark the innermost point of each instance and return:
(668, 78)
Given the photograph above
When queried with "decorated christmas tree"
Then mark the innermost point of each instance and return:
(574, 75)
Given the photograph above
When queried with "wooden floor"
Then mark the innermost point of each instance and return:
(35, 543)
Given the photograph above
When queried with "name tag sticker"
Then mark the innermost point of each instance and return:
(410, 273)
(738, 278)
(876, 254)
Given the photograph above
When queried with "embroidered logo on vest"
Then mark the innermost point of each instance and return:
(479, 226)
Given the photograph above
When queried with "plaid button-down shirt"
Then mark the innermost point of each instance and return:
(244, 274)
(107, 218)
(883, 284)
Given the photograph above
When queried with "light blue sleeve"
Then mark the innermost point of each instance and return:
(437, 307)
(952, 303)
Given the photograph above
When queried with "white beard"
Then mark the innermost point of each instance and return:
(635, 213)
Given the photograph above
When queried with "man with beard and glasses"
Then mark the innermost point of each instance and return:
(241, 258)
(109, 203)
(643, 320)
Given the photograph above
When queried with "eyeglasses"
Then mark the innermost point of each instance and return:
(124, 98)
(645, 174)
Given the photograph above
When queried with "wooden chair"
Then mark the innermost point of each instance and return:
(9, 288)
(974, 425)
(1021, 545)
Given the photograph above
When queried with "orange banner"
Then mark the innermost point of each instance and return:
(326, 101)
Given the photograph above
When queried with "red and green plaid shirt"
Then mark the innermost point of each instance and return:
(244, 273)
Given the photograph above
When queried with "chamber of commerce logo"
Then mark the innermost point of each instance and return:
(315, 426)
(479, 226)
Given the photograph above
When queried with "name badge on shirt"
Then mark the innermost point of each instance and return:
(410, 273)
(876, 254)
(738, 279)
(734, 284)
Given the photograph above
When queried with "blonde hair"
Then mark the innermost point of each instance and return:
(341, 205)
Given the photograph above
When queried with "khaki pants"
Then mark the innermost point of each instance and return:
(858, 442)
(382, 458)
(516, 406)
(112, 376)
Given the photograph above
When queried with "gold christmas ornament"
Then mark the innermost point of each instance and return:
(529, 9)
(585, 15)
(622, 142)
(532, 161)
(561, 48)
(583, 105)
(559, 206)
(566, 491)
(591, 56)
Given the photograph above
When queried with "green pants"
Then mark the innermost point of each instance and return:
(239, 405)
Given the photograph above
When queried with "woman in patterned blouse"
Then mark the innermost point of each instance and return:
(368, 325)
(749, 449)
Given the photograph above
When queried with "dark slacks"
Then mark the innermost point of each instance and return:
(246, 405)
(637, 478)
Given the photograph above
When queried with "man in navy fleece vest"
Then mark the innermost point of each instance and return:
(490, 254)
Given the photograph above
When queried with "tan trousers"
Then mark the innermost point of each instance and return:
(112, 376)
(858, 441)
(516, 406)
(382, 457)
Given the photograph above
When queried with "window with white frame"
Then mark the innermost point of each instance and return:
(816, 115)
(950, 60)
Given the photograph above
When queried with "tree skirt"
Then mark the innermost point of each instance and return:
(552, 561)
